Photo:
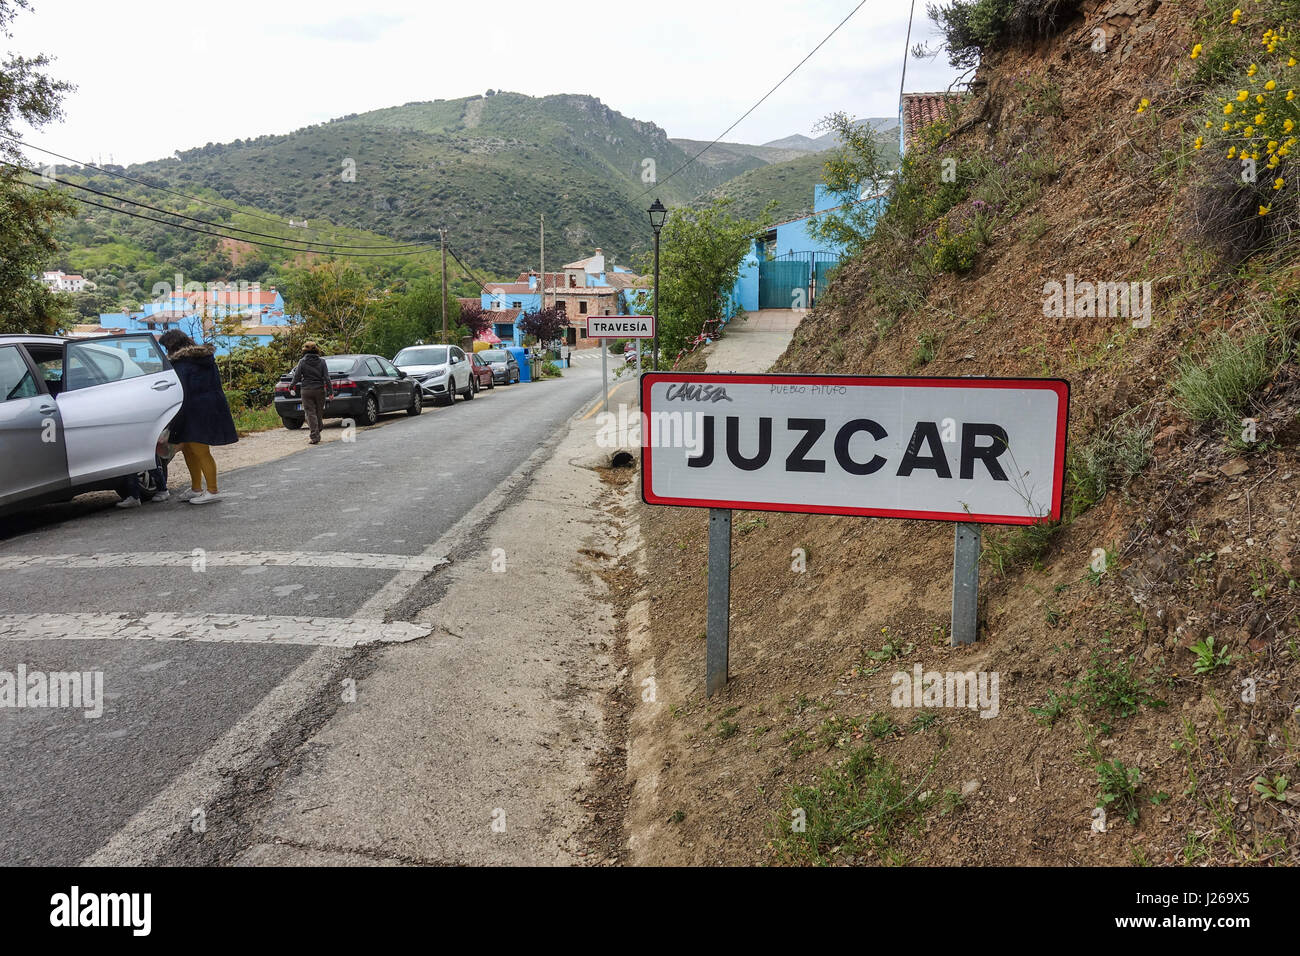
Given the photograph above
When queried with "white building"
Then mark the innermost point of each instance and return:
(61, 281)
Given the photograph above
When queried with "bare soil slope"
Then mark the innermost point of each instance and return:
(1201, 542)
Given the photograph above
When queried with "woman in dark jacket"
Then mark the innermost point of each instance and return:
(204, 419)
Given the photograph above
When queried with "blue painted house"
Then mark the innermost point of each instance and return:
(221, 314)
(587, 287)
(787, 268)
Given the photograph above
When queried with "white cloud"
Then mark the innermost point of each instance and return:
(155, 75)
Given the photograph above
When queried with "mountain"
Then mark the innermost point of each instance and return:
(741, 155)
(790, 183)
(486, 167)
(806, 144)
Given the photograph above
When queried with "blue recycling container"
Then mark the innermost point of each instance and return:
(521, 356)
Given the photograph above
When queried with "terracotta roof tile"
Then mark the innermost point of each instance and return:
(921, 110)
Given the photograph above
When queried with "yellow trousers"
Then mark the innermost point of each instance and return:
(199, 460)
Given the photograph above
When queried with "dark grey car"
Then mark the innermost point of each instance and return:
(505, 369)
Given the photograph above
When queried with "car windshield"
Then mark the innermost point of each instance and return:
(493, 355)
(421, 356)
(339, 364)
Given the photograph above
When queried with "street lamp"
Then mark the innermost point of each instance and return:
(658, 213)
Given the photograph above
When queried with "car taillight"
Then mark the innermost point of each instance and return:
(282, 387)
(344, 383)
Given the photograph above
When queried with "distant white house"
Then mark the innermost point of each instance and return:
(60, 281)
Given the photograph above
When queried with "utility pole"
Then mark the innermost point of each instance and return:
(442, 235)
(541, 278)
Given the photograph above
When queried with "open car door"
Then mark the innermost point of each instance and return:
(117, 395)
(34, 460)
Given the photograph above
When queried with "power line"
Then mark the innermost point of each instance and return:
(755, 106)
(481, 284)
(906, 44)
(220, 235)
(173, 192)
(328, 246)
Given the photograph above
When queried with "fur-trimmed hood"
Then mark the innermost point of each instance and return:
(193, 353)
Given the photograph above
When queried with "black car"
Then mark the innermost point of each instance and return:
(365, 387)
(505, 369)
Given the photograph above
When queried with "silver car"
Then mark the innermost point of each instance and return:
(79, 414)
(442, 371)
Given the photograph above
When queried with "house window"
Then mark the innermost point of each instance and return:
(516, 305)
(582, 308)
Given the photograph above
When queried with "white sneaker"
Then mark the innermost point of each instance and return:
(128, 503)
(187, 494)
(160, 496)
(204, 497)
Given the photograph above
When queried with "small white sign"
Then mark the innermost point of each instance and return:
(620, 326)
(984, 450)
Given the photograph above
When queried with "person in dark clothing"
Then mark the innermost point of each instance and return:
(314, 376)
(204, 419)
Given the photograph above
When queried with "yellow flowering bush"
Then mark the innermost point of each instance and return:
(1262, 135)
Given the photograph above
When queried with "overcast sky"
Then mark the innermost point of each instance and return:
(154, 76)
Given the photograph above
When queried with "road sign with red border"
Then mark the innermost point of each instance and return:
(980, 450)
(620, 326)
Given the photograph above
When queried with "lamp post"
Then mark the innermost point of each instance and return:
(658, 213)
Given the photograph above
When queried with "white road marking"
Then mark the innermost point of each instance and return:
(142, 837)
(224, 559)
(209, 628)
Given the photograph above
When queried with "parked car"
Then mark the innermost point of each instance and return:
(365, 387)
(505, 368)
(629, 355)
(442, 371)
(79, 414)
(482, 372)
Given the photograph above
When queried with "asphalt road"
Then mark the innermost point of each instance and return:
(68, 782)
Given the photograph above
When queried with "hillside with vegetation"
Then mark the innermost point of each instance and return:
(487, 167)
(789, 183)
(126, 256)
(1148, 644)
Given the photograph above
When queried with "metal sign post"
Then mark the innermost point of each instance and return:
(972, 451)
(719, 608)
(965, 583)
(604, 371)
(605, 327)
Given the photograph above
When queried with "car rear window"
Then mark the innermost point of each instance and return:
(493, 355)
(339, 364)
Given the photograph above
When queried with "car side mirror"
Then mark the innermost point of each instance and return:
(401, 374)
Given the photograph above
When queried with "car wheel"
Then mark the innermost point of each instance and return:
(474, 384)
(371, 413)
(492, 382)
(417, 403)
(293, 424)
(468, 394)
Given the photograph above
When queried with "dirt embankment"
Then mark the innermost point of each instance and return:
(1101, 696)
